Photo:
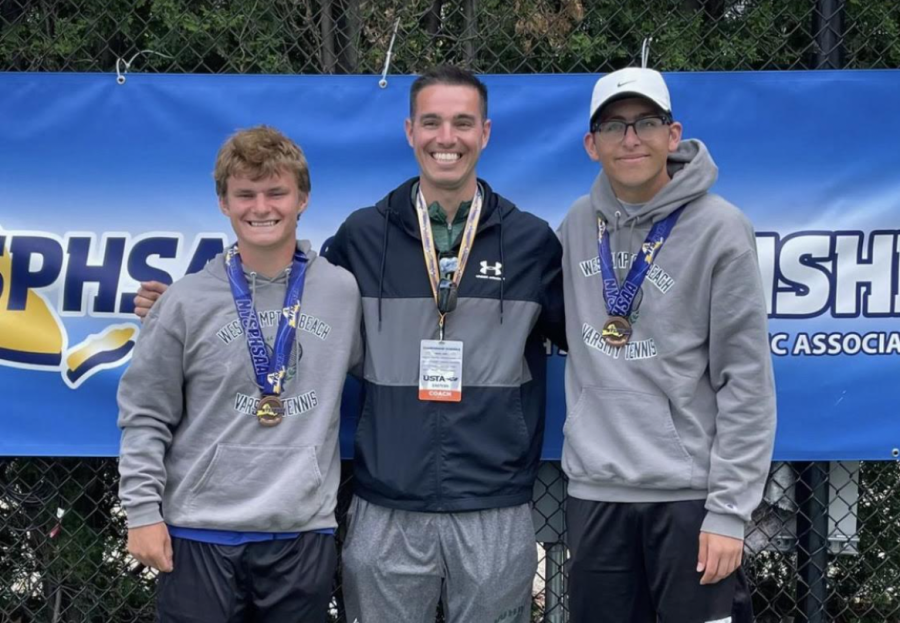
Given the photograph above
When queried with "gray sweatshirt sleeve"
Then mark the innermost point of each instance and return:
(741, 374)
(150, 400)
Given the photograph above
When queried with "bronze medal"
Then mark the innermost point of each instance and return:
(270, 411)
(617, 331)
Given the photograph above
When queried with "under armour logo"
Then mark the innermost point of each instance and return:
(495, 269)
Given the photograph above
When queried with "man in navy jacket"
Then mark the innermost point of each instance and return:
(442, 488)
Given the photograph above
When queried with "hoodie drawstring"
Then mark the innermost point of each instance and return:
(253, 287)
(631, 239)
(502, 263)
(612, 248)
(630, 247)
(384, 243)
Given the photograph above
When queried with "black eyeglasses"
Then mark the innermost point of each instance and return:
(615, 130)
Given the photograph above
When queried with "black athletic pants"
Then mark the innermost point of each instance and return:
(285, 581)
(637, 563)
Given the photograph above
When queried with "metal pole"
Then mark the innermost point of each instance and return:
(828, 29)
(470, 32)
(812, 538)
(327, 27)
(555, 587)
(550, 525)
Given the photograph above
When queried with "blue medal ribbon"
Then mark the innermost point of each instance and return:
(270, 372)
(619, 300)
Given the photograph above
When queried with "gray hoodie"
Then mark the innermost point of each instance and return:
(192, 450)
(685, 410)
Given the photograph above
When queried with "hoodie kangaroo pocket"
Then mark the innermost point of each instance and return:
(624, 438)
(258, 488)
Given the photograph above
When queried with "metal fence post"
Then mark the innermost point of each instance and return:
(813, 546)
(828, 29)
(470, 32)
(554, 572)
(549, 524)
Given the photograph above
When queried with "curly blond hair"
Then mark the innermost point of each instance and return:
(258, 153)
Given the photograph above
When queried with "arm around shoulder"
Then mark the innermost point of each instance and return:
(337, 250)
(553, 312)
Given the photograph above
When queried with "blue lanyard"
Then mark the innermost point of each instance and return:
(619, 300)
(269, 372)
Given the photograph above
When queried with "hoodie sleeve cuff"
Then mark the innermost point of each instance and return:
(143, 515)
(726, 525)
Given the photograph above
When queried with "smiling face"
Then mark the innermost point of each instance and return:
(447, 134)
(635, 166)
(264, 212)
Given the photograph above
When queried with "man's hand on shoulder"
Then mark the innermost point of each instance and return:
(147, 295)
(152, 546)
(719, 557)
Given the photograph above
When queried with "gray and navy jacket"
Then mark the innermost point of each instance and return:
(481, 452)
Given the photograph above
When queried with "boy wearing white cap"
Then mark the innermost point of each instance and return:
(671, 399)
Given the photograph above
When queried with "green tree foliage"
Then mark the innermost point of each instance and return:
(873, 34)
(62, 539)
(497, 36)
(867, 586)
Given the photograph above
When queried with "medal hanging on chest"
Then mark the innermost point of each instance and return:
(268, 370)
(270, 411)
(617, 329)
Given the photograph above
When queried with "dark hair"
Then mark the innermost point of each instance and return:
(449, 75)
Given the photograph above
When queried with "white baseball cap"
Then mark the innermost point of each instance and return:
(632, 81)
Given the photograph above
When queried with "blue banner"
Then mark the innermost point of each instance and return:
(103, 185)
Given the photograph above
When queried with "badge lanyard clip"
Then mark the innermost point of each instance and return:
(445, 290)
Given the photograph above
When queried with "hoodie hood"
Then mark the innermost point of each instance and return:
(693, 173)
(266, 293)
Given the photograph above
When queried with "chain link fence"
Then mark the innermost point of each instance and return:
(825, 544)
(490, 36)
